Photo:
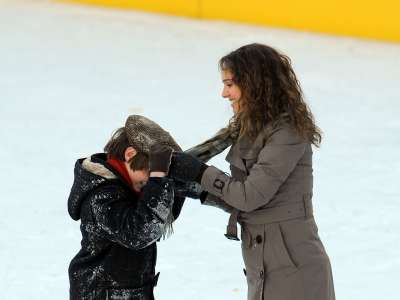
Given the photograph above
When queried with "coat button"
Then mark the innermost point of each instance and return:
(262, 274)
(258, 239)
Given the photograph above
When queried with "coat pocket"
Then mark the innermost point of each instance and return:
(281, 253)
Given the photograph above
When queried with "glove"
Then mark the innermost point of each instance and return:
(190, 189)
(185, 167)
(160, 158)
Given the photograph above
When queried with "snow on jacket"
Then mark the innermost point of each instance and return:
(119, 232)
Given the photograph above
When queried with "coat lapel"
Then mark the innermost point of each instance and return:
(233, 157)
(245, 149)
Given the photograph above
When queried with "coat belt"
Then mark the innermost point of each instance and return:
(299, 209)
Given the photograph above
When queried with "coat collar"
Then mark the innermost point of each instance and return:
(245, 149)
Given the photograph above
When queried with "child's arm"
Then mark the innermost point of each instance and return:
(177, 207)
(133, 224)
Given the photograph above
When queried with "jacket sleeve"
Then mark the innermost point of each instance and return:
(276, 160)
(177, 207)
(130, 222)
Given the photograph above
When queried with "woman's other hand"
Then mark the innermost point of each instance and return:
(185, 167)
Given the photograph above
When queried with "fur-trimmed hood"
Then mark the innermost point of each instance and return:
(90, 173)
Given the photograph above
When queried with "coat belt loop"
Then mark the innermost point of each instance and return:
(231, 230)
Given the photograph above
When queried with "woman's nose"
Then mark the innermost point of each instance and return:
(224, 93)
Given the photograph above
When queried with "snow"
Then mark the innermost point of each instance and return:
(70, 75)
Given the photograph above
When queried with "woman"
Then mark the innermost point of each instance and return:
(269, 191)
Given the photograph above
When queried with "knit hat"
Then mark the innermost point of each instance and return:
(143, 133)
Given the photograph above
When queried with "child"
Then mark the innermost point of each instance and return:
(125, 204)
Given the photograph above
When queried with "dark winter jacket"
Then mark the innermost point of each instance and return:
(119, 230)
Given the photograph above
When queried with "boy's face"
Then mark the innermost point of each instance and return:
(139, 178)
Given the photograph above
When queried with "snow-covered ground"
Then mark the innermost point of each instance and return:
(69, 75)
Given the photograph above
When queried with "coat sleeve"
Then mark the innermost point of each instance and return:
(276, 160)
(133, 223)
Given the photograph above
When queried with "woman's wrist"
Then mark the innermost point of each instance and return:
(203, 168)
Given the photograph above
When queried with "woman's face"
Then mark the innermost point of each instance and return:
(231, 90)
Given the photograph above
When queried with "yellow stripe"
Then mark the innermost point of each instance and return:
(364, 18)
(188, 8)
(371, 19)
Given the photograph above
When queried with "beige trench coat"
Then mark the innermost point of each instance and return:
(271, 187)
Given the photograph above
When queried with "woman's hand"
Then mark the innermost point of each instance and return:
(185, 167)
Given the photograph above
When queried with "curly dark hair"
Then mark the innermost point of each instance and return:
(269, 89)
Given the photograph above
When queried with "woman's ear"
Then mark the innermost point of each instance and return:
(129, 153)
